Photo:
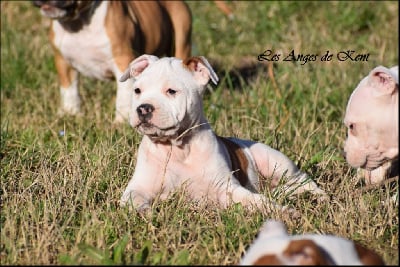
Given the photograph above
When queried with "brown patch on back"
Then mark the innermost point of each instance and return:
(367, 256)
(298, 252)
(306, 252)
(239, 161)
(268, 260)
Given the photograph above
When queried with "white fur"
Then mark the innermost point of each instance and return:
(70, 99)
(88, 50)
(372, 112)
(273, 239)
(179, 147)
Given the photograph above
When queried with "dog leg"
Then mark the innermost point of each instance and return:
(135, 200)
(123, 99)
(182, 23)
(299, 183)
(68, 79)
(238, 194)
(272, 163)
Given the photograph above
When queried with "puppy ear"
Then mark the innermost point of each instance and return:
(201, 69)
(137, 66)
(273, 228)
(383, 81)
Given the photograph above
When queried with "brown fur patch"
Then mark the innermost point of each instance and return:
(191, 64)
(367, 256)
(239, 161)
(268, 260)
(306, 252)
(298, 252)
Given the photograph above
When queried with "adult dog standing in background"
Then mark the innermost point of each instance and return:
(100, 38)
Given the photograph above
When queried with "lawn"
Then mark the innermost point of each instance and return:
(62, 177)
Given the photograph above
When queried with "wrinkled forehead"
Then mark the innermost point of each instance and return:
(166, 69)
(359, 94)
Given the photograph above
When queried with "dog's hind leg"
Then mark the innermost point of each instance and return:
(239, 194)
(275, 165)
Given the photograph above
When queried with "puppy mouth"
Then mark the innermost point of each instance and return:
(373, 162)
(156, 132)
(59, 9)
(52, 11)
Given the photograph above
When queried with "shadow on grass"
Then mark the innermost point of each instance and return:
(241, 74)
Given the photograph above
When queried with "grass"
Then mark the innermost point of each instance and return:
(59, 192)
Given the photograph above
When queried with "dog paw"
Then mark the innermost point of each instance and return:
(69, 112)
(323, 197)
(293, 213)
(133, 204)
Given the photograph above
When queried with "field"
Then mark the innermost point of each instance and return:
(62, 177)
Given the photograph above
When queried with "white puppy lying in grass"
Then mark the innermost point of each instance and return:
(180, 148)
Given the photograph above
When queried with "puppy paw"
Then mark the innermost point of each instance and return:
(134, 202)
(293, 213)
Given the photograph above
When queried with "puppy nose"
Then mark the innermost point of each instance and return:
(145, 111)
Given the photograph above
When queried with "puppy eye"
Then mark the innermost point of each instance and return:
(352, 128)
(137, 91)
(171, 91)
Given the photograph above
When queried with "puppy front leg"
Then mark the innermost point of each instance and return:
(68, 79)
(136, 196)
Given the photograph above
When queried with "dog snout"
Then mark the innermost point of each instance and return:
(145, 112)
(59, 4)
(38, 3)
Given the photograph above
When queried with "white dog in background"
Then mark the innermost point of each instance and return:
(180, 148)
(372, 119)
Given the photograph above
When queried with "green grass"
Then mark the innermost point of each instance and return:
(59, 194)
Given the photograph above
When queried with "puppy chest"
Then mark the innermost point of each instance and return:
(88, 50)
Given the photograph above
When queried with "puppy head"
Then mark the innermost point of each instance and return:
(167, 95)
(62, 9)
(274, 246)
(372, 120)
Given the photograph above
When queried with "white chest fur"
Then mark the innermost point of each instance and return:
(88, 50)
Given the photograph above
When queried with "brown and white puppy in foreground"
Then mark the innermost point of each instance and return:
(100, 38)
(372, 119)
(179, 148)
(273, 246)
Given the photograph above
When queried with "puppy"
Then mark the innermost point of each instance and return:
(100, 38)
(274, 246)
(180, 148)
(372, 119)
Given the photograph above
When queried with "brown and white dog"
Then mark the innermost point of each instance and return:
(273, 246)
(100, 38)
(179, 148)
